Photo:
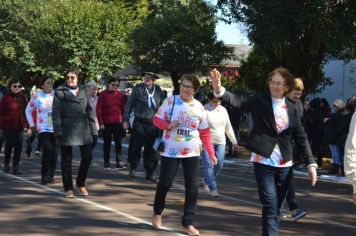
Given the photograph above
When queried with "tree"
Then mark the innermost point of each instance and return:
(92, 35)
(297, 34)
(178, 37)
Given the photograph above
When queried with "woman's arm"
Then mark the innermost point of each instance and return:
(206, 140)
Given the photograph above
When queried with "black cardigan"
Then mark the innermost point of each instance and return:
(263, 136)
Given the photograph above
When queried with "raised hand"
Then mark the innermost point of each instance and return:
(216, 80)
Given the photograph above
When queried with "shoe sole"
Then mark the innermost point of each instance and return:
(298, 216)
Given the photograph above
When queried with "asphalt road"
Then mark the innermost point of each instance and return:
(119, 206)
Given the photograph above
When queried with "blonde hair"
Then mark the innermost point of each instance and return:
(298, 84)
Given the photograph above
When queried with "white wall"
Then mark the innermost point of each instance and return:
(344, 77)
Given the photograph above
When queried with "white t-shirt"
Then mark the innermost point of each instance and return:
(42, 103)
(280, 111)
(183, 141)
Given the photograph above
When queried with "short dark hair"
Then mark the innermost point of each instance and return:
(44, 79)
(75, 71)
(211, 96)
(111, 79)
(193, 79)
(13, 81)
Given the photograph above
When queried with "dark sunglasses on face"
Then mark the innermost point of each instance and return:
(70, 77)
(114, 85)
(16, 86)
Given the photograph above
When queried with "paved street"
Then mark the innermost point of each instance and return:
(119, 206)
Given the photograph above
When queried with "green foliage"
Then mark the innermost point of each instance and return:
(298, 34)
(91, 35)
(178, 37)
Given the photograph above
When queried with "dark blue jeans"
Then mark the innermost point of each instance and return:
(272, 183)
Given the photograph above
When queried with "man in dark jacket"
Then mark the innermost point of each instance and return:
(144, 100)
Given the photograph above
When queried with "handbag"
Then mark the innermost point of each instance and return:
(158, 145)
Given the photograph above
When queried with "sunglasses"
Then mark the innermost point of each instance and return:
(114, 85)
(16, 86)
(71, 77)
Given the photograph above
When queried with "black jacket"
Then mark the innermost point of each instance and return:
(263, 136)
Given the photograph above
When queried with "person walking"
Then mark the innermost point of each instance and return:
(350, 156)
(219, 124)
(275, 123)
(3, 92)
(185, 126)
(42, 103)
(109, 111)
(74, 125)
(145, 99)
(294, 95)
(12, 124)
(93, 100)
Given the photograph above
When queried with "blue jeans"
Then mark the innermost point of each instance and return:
(210, 171)
(272, 183)
(336, 154)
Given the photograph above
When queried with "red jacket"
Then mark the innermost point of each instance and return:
(110, 107)
(10, 113)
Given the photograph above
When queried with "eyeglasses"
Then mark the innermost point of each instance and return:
(71, 77)
(16, 86)
(276, 84)
(216, 101)
(114, 85)
(186, 86)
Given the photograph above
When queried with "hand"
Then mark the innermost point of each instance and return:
(216, 80)
(125, 125)
(173, 124)
(101, 127)
(29, 132)
(214, 161)
(236, 147)
(354, 199)
(312, 175)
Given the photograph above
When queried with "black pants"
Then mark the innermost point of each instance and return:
(169, 167)
(66, 164)
(13, 140)
(49, 155)
(112, 130)
(143, 134)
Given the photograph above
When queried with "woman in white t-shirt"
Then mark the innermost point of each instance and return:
(42, 103)
(185, 126)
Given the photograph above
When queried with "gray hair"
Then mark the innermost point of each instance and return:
(91, 84)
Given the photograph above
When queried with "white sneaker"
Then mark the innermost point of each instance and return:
(37, 152)
(214, 193)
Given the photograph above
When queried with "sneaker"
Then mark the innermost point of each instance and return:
(44, 182)
(132, 173)
(282, 214)
(82, 190)
(214, 193)
(51, 181)
(190, 230)
(297, 214)
(69, 194)
(37, 152)
(151, 179)
(120, 166)
(156, 221)
(106, 165)
(206, 187)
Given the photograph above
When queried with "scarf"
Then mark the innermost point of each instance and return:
(150, 99)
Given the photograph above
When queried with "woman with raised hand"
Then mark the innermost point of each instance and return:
(185, 126)
(74, 125)
(42, 103)
(275, 123)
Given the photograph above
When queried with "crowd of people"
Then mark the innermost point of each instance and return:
(285, 133)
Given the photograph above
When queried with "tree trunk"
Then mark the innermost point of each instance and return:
(175, 80)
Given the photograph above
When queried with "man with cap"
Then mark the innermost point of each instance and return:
(144, 100)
